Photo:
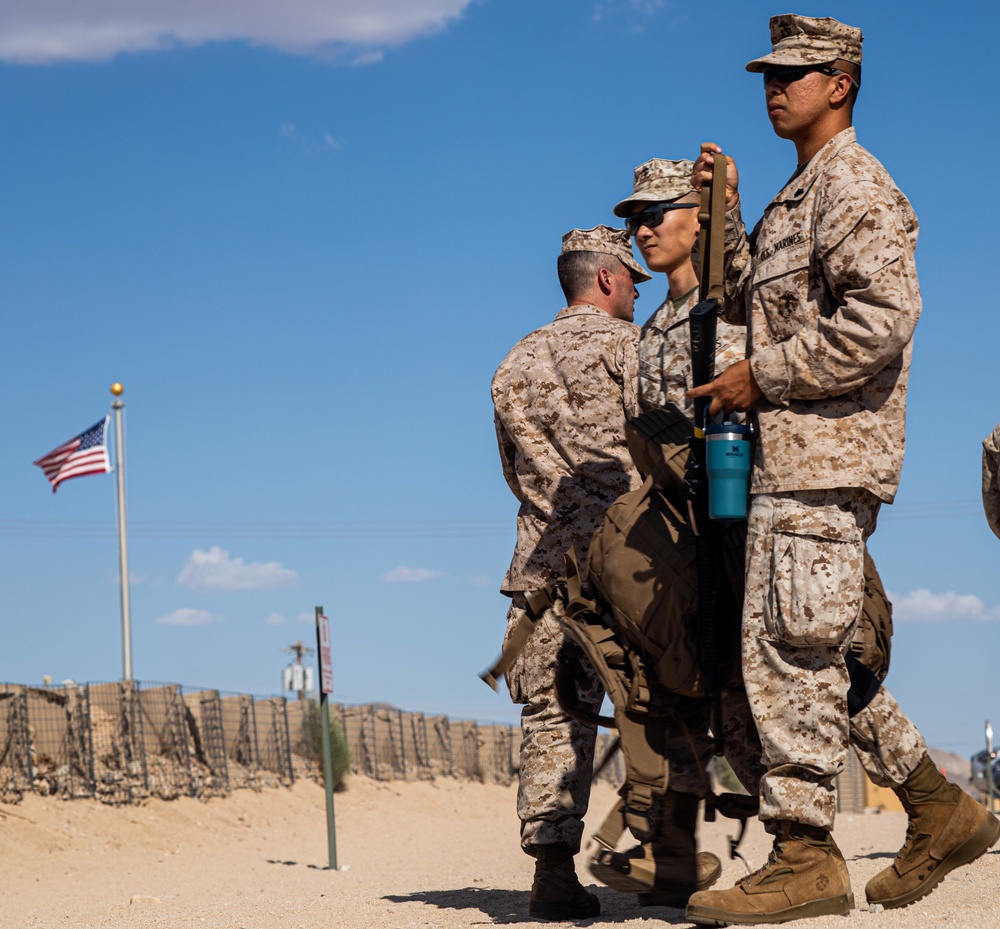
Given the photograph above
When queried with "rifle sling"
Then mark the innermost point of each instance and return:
(712, 218)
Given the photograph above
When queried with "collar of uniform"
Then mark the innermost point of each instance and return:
(582, 309)
(802, 180)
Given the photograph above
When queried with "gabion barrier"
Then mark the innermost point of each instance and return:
(387, 743)
(124, 741)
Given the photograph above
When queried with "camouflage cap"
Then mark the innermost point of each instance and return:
(802, 40)
(658, 180)
(608, 241)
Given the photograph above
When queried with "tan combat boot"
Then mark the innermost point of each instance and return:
(555, 892)
(947, 828)
(804, 876)
(666, 870)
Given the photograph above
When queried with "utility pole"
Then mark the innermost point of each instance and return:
(300, 677)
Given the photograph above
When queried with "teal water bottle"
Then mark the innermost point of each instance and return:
(727, 459)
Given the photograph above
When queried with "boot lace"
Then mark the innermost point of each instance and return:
(773, 859)
(911, 831)
(916, 840)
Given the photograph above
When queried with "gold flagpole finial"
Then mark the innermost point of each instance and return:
(117, 389)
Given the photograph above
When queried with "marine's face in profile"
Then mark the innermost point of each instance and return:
(624, 294)
(667, 243)
(797, 98)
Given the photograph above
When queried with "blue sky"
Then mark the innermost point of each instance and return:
(303, 238)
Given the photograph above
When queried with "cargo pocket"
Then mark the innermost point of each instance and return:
(818, 576)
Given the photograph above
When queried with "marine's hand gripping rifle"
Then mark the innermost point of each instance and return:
(702, 323)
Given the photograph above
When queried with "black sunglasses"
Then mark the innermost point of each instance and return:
(652, 216)
(790, 75)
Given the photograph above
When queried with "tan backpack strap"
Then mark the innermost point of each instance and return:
(570, 672)
(576, 602)
(646, 774)
(538, 601)
(602, 648)
(612, 828)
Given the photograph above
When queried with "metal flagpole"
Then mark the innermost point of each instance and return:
(118, 405)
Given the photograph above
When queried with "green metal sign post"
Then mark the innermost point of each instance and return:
(325, 689)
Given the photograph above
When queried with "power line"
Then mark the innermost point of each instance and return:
(309, 530)
(304, 530)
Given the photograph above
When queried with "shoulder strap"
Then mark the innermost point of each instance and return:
(538, 601)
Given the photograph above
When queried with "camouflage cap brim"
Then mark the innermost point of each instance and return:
(639, 273)
(657, 181)
(792, 58)
(624, 207)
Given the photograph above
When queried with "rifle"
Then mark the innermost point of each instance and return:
(702, 322)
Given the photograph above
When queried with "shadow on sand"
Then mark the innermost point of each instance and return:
(874, 856)
(511, 906)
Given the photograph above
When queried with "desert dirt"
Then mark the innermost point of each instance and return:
(411, 854)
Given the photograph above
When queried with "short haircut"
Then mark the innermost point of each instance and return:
(577, 271)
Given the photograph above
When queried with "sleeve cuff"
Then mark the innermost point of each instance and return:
(734, 223)
(768, 367)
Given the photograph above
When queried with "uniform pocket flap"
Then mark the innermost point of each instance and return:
(791, 517)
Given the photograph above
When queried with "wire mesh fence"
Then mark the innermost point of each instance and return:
(124, 741)
(121, 742)
(386, 743)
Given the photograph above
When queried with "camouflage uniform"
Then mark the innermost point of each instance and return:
(991, 479)
(665, 353)
(561, 398)
(664, 376)
(828, 288)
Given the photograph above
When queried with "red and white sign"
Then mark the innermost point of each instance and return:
(325, 654)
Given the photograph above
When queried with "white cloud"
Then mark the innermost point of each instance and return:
(276, 619)
(188, 617)
(370, 57)
(42, 31)
(922, 605)
(216, 570)
(328, 142)
(406, 575)
(607, 8)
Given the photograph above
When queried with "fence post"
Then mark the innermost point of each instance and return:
(451, 747)
(288, 741)
(402, 744)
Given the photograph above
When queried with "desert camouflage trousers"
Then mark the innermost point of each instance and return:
(557, 752)
(804, 592)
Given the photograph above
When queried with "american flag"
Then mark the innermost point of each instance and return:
(85, 454)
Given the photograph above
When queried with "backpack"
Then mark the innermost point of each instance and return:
(636, 625)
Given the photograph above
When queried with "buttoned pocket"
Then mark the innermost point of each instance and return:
(817, 574)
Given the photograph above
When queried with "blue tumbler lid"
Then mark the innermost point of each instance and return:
(728, 429)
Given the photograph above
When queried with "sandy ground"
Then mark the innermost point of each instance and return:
(440, 854)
